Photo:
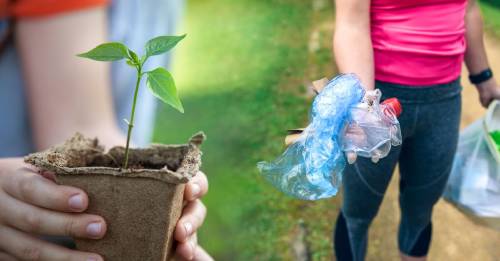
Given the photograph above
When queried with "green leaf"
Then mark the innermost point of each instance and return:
(131, 63)
(107, 52)
(162, 85)
(133, 56)
(162, 44)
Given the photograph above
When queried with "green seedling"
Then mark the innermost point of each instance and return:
(495, 135)
(159, 81)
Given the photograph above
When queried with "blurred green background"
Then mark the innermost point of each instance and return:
(243, 73)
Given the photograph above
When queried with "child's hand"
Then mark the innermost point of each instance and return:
(192, 218)
(32, 204)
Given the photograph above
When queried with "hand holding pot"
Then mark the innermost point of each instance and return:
(192, 218)
(31, 204)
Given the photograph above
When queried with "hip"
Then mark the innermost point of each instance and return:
(429, 112)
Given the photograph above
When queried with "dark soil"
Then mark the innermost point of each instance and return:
(80, 155)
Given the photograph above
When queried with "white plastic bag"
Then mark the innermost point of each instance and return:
(491, 124)
(473, 186)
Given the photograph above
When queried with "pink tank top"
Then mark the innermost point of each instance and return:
(418, 42)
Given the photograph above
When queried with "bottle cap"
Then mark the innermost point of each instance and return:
(395, 105)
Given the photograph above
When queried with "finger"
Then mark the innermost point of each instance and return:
(33, 219)
(7, 257)
(25, 247)
(44, 173)
(351, 157)
(48, 175)
(30, 187)
(488, 102)
(192, 218)
(187, 249)
(197, 187)
(484, 103)
(201, 255)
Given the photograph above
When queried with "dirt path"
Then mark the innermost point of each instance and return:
(455, 236)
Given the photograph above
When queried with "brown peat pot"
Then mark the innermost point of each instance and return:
(141, 205)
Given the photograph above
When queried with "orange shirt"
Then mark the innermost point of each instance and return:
(37, 8)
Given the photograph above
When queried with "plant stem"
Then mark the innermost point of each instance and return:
(131, 122)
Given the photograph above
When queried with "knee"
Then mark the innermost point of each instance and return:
(357, 224)
(360, 213)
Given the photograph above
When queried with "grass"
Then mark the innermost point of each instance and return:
(491, 13)
(240, 72)
(241, 75)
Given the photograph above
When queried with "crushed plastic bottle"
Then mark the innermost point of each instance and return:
(344, 119)
(311, 168)
(372, 128)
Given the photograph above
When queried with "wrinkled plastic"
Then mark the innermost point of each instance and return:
(373, 128)
(474, 183)
(311, 168)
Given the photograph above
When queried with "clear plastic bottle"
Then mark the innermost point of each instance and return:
(373, 128)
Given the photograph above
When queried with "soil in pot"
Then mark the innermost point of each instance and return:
(141, 205)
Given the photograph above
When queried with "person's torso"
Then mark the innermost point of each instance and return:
(418, 42)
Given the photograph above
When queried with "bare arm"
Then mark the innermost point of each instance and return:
(65, 93)
(352, 41)
(475, 55)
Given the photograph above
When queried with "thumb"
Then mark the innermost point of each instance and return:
(485, 100)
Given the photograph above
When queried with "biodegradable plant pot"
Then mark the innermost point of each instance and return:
(141, 205)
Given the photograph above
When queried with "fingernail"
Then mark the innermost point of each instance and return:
(195, 188)
(76, 202)
(94, 229)
(189, 228)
